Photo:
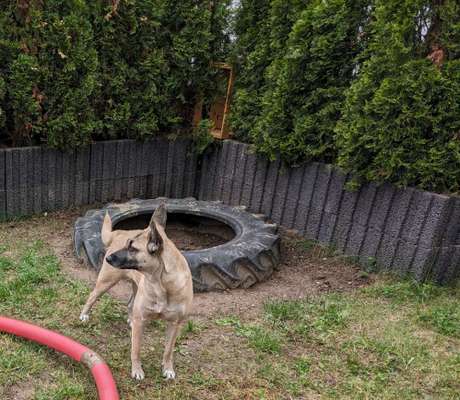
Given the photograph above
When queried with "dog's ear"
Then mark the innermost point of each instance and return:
(159, 216)
(106, 232)
(154, 240)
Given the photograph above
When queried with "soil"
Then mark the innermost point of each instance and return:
(304, 271)
(188, 232)
(187, 239)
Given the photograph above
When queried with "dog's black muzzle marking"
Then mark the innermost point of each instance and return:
(120, 259)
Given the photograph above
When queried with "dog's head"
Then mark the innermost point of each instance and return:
(142, 251)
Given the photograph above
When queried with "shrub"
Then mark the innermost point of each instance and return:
(401, 115)
(251, 56)
(75, 71)
(370, 85)
(305, 86)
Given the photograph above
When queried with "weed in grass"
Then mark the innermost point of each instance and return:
(260, 338)
(302, 366)
(405, 291)
(284, 310)
(109, 310)
(444, 319)
(193, 327)
(6, 264)
(330, 316)
(303, 330)
(202, 380)
(229, 320)
(305, 244)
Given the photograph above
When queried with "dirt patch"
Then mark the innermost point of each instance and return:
(188, 232)
(302, 273)
(20, 391)
(187, 239)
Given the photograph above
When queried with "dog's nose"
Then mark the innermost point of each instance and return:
(111, 258)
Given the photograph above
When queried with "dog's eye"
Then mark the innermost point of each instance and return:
(130, 246)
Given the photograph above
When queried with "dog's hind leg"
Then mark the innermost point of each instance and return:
(131, 302)
(103, 284)
(172, 331)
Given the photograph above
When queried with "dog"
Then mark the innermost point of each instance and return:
(155, 264)
(110, 276)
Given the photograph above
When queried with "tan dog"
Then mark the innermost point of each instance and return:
(159, 266)
(110, 276)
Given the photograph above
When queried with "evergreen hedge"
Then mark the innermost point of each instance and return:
(76, 70)
(401, 118)
(305, 88)
(371, 85)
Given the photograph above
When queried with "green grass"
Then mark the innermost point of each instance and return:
(392, 340)
(443, 318)
(259, 338)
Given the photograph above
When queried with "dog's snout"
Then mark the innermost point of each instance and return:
(112, 259)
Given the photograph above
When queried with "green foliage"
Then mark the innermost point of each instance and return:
(202, 137)
(444, 319)
(262, 28)
(75, 71)
(260, 338)
(400, 120)
(290, 85)
(305, 86)
(373, 86)
(252, 57)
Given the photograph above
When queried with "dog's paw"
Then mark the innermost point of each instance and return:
(84, 317)
(129, 322)
(169, 374)
(138, 373)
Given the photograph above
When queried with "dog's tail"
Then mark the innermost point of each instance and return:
(106, 232)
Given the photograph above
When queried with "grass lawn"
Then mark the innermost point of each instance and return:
(390, 340)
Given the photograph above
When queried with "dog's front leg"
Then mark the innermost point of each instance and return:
(102, 286)
(172, 331)
(131, 302)
(137, 330)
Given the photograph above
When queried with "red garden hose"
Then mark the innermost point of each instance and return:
(106, 387)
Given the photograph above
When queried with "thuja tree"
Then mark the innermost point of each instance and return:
(74, 71)
(401, 116)
(305, 87)
(154, 57)
(49, 65)
(251, 58)
(261, 28)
